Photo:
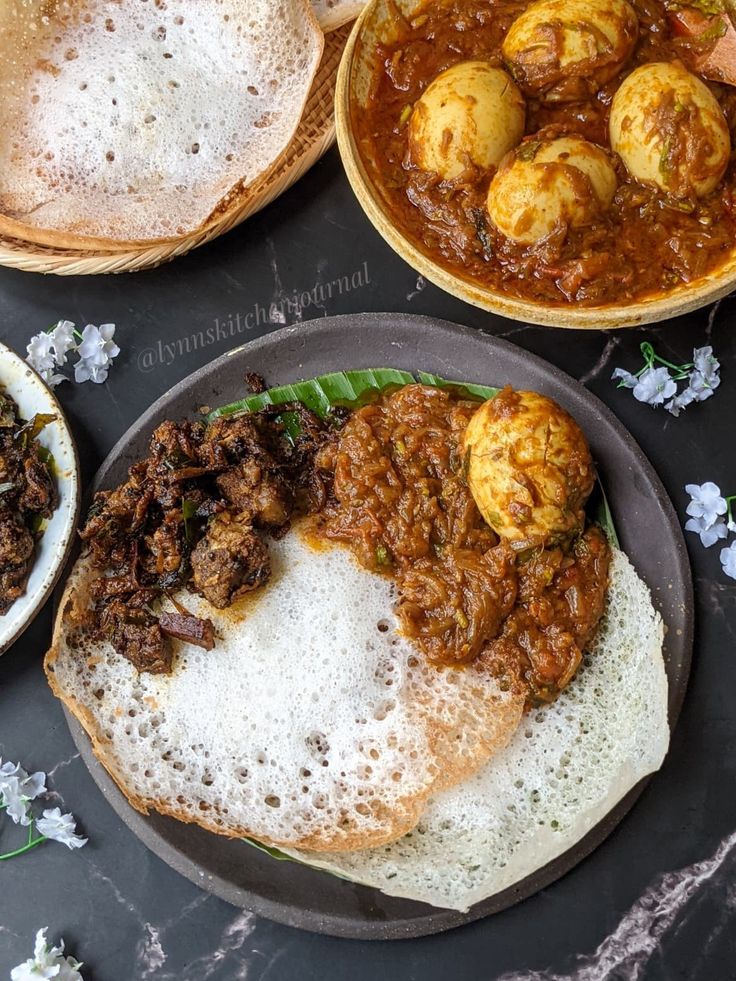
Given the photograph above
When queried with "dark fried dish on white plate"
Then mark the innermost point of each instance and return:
(39, 494)
(28, 496)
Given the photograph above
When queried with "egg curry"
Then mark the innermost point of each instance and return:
(559, 151)
(476, 511)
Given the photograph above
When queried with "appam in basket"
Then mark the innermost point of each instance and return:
(313, 136)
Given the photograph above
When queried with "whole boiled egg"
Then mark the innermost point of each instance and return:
(548, 184)
(669, 130)
(469, 112)
(529, 467)
(562, 50)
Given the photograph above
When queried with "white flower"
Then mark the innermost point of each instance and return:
(48, 351)
(62, 341)
(681, 401)
(625, 378)
(701, 386)
(46, 963)
(706, 364)
(18, 789)
(709, 533)
(654, 385)
(60, 827)
(40, 355)
(705, 377)
(706, 502)
(41, 358)
(728, 560)
(96, 351)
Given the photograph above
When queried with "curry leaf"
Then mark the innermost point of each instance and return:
(7, 413)
(269, 850)
(188, 511)
(709, 8)
(31, 429)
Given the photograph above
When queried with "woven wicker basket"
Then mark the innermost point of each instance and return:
(315, 135)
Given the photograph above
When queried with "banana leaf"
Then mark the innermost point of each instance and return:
(269, 850)
(601, 514)
(280, 856)
(322, 394)
(482, 392)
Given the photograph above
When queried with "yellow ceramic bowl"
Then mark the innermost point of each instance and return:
(353, 80)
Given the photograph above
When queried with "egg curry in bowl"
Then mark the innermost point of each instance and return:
(560, 151)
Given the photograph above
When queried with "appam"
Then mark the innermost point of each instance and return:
(310, 724)
(564, 769)
(647, 526)
(130, 123)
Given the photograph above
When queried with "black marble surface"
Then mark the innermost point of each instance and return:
(656, 901)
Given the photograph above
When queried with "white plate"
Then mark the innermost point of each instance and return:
(32, 396)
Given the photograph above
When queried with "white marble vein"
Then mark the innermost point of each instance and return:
(421, 285)
(516, 330)
(149, 955)
(228, 952)
(606, 354)
(320, 281)
(627, 951)
(276, 312)
(62, 764)
(120, 899)
(719, 600)
(712, 315)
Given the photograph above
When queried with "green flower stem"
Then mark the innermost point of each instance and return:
(729, 506)
(31, 842)
(650, 356)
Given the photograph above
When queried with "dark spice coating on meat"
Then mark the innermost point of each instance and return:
(135, 632)
(400, 500)
(27, 496)
(230, 561)
(185, 627)
(194, 514)
(645, 243)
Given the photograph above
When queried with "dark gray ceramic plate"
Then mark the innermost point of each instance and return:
(647, 525)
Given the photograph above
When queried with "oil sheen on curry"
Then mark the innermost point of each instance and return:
(476, 511)
(564, 151)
